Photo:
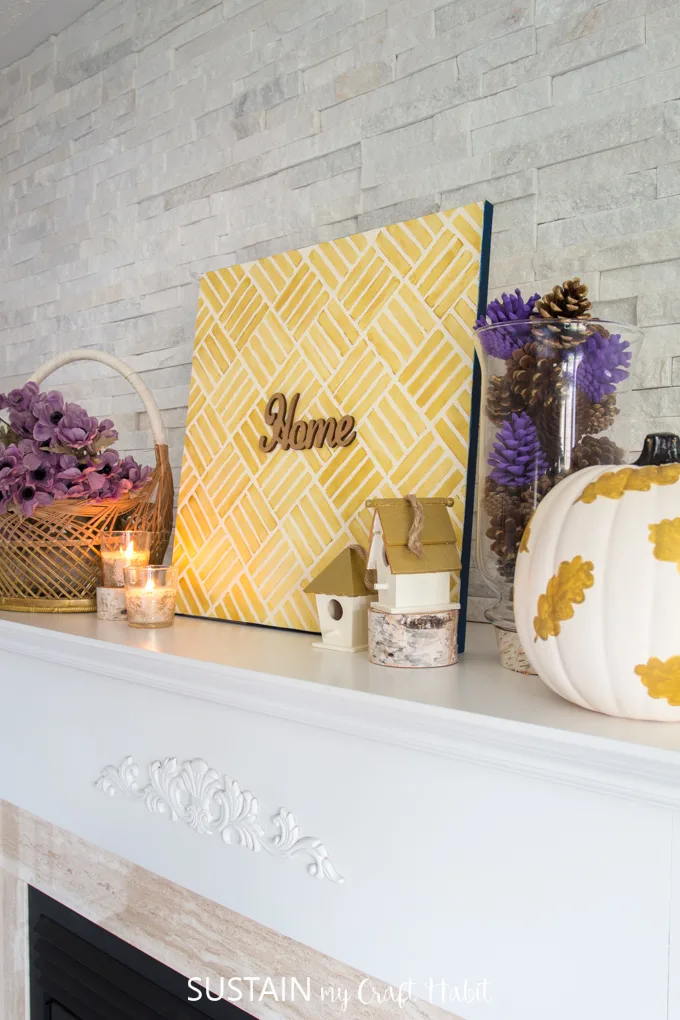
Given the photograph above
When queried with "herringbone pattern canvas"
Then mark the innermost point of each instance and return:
(377, 325)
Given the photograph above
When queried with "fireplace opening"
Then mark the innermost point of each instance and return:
(78, 971)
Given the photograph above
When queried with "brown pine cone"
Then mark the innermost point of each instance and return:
(506, 568)
(594, 450)
(501, 401)
(600, 417)
(505, 531)
(533, 376)
(570, 301)
(550, 426)
(532, 495)
(496, 498)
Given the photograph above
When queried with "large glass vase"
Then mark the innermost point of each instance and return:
(556, 397)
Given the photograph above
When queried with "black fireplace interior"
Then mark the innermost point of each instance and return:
(78, 971)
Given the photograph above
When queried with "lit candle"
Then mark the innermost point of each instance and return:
(150, 596)
(121, 549)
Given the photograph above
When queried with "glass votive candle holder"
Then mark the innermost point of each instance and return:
(150, 596)
(121, 549)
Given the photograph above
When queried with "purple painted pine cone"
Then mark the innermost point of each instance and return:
(517, 457)
(605, 363)
(513, 309)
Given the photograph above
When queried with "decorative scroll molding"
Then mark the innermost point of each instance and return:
(213, 805)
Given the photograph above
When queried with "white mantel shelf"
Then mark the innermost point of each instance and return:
(461, 823)
(475, 710)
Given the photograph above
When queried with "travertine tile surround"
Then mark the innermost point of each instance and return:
(13, 948)
(187, 932)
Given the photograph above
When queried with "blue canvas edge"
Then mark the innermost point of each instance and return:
(466, 551)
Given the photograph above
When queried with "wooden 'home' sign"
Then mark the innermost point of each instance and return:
(289, 434)
(322, 378)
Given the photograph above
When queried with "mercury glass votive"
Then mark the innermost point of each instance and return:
(121, 549)
(150, 596)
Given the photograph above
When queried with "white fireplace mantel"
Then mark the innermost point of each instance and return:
(462, 824)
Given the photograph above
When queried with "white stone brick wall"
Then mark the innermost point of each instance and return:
(156, 139)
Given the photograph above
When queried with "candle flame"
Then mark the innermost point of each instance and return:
(149, 586)
(130, 550)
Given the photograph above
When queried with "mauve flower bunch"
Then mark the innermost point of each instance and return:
(52, 449)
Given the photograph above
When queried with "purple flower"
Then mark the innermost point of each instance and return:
(22, 422)
(34, 483)
(517, 458)
(115, 488)
(10, 463)
(75, 428)
(49, 411)
(34, 453)
(511, 308)
(10, 473)
(28, 497)
(101, 470)
(106, 430)
(72, 474)
(604, 364)
(22, 399)
(68, 463)
(20, 404)
(31, 458)
(132, 471)
(77, 491)
(39, 469)
(88, 477)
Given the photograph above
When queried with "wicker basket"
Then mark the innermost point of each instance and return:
(50, 562)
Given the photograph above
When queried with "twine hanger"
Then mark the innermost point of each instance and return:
(415, 535)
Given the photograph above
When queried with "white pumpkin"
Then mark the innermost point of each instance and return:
(597, 587)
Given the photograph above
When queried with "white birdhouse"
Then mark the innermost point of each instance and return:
(412, 549)
(342, 601)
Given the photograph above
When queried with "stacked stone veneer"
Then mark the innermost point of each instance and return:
(155, 139)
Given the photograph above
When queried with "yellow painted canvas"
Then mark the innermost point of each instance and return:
(372, 331)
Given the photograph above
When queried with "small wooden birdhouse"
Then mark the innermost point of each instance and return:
(412, 549)
(342, 601)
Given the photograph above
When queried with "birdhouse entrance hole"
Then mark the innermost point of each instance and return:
(335, 610)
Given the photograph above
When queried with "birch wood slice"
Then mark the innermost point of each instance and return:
(511, 653)
(413, 640)
(111, 604)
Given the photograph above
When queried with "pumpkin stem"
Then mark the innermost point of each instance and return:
(660, 448)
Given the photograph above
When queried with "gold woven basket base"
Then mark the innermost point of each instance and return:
(28, 605)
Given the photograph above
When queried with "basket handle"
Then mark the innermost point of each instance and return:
(160, 437)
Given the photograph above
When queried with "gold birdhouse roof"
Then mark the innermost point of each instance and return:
(437, 538)
(344, 576)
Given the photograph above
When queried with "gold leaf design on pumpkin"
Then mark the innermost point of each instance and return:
(613, 484)
(665, 537)
(524, 543)
(662, 679)
(565, 589)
